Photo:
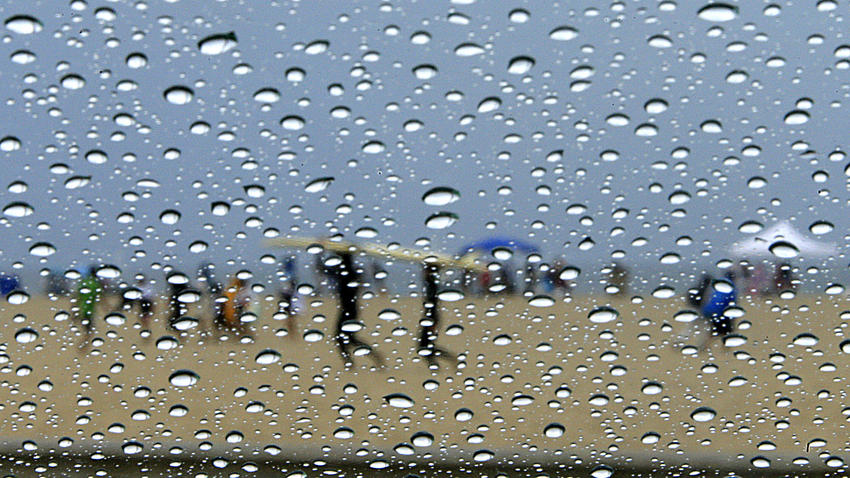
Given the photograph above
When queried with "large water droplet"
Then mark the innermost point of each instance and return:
(178, 95)
(601, 315)
(398, 400)
(440, 196)
(24, 24)
(441, 220)
(554, 430)
(784, 249)
(520, 65)
(703, 414)
(218, 44)
(718, 12)
(183, 378)
(563, 33)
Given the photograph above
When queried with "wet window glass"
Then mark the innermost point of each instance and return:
(454, 237)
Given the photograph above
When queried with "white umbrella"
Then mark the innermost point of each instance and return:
(782, 241)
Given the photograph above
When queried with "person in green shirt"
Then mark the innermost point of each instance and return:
(88, 296)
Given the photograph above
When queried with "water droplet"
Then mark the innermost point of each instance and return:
(398, 400)
(601, 315)
(26, 335)
(344, 433)
(796, 117)
(374, 147)
(517, 15)
(218, 43)
(711, 126)
(463, 415)
(650, 438)
(18, 297)
(132, 447)
(554, 430)
(468, 49)
(183, 378)
(24, 24)
(267, 357)
(389, 314)
(760, 462)
(167, 342)
(10, 143)
(422, 439)
(660, 41)
(520, 65)
(17, 209)
(805, 340)
(821, 227)
(718, 12)
(652, 388)
(489, 104)
(178, 95)
(737, 77)
(317, 47)
(293, 123)
(313, 335)
(563, 33)
(425, 72)
(655, 106)
(703, 414)
(483, 455)
(617, 120)
(169, 217)
(73, 82)
(318, 185)
(267, 95)
(441, 220)
(784, 249)
(42, 249)
(22, 57)
(440, 196)
(602, 471)
(541, 301)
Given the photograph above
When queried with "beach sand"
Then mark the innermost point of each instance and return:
(591, 380)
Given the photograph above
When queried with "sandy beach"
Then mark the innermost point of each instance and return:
(538, 385)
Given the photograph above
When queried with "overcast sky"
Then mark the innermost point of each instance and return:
(406, 117)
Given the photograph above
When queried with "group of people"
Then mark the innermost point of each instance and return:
(231, 303)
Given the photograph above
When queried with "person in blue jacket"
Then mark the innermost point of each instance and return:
(722, 295)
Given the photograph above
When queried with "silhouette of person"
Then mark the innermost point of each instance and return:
(345, 280)
(430, 322)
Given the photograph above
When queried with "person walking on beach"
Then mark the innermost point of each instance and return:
(288, 306)
(430, 322)
(722, 295)
(143, 295)
(345, 280)
(89, 294)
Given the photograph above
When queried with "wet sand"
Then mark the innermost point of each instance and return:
(591, 379)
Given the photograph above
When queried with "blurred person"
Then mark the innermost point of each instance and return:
(619, 278)
(289, 306)
(177, 307)
(430, 322)
(530, 278)
(345, 279)
(697, 295)
(89, 294)
(722, 295)
(783, 278)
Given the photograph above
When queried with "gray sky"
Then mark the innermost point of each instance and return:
(497, 159)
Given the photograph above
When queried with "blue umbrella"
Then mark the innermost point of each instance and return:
(7, 284)
(491, 243)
